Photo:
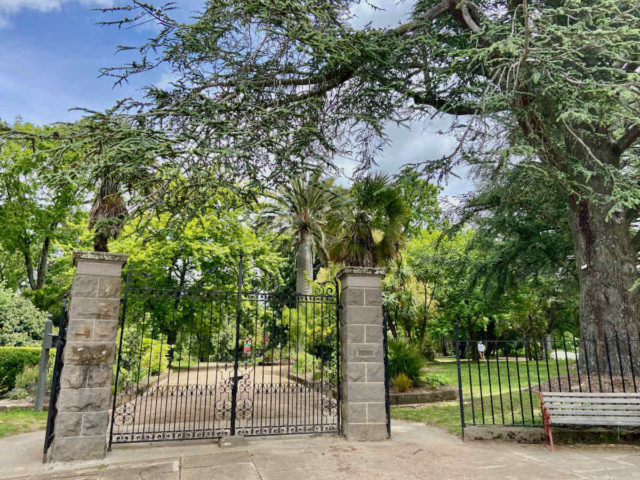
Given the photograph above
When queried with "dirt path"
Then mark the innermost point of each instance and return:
(197, 403)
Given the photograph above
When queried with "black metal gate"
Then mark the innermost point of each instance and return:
(61, 340)
(204, 362)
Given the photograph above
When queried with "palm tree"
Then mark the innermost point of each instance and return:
(300, 211)
(371, 230)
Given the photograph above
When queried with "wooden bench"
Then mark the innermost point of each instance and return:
(594, 409)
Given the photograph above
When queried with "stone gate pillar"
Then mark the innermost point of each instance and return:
(362, 354)
(85, 383)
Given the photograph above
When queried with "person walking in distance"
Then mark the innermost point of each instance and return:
(481, 349)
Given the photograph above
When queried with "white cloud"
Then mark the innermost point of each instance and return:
(9, 8)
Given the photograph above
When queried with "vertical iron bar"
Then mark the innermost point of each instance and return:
(234, 385)
(526, 358)
(595, 343)
(338, 353)
(566, 360)
(462, 423)
(55, 380)
(633, 372)
(468, 358)
(499, 383)
(480, 386)
(387, 402)
(575, 352)
(546, 361)
(115, 388)
(537, 353)
(585, 345)
(624, 388)
(606, 349)
(513, 420)
(555, 352)
(493, 418)
(519, 384)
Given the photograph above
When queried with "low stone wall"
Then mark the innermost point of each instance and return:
(583, 435)
(444, 394)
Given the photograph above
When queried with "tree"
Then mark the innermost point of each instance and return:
(371, 230)
(37, 212)
(421, 199)
(552, 85)
(444, 264)
(201, 255)
(22, 323)
(300, 211)
(522, 232)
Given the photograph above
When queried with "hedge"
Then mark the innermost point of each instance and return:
(12, 362)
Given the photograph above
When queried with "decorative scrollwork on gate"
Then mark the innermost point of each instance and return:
(124, 414)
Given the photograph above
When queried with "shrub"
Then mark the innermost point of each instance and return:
(306, 363)
(26, 382)
(435, 379)
(13, 361)
(404, 358)
(21, 323)
(141, 359)
(429, 350)
(402, 382)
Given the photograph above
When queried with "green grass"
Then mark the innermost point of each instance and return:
(17, 421)
(511, 403)
(445, 415)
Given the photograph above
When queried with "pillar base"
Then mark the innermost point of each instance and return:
(366, 432)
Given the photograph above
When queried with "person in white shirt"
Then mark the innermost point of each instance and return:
(481, 349)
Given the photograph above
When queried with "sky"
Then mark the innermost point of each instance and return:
(51, 52)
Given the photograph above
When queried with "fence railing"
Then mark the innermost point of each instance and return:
(499, 380)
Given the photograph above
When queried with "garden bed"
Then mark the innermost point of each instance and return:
(420, 395)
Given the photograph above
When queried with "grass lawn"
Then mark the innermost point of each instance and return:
(19, 421)
(496, 388)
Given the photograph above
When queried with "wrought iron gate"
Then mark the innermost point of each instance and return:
(61, 340)
(204, 362)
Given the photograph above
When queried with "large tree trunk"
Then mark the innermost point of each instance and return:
(304, 261)
(606, 265)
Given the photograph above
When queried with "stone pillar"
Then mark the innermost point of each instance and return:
(362, 354)
(85, 384)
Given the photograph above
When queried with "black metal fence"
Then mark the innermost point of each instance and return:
(498, 380)
(201, 362)
(55, 380)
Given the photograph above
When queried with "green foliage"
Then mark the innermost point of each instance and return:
(371, 230)
(304, 205)
(142, 357)
(435, 379)
(13, 361)
(421, 197)
(21, 323)
(428, 349)
(406, 359)
(26, 382)
(40, 206)
(306, 363)
(402, 382)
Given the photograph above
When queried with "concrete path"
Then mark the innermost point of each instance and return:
(416, 452)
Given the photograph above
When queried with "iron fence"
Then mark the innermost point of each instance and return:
(200, 362)
(61, 341)
(499, 379)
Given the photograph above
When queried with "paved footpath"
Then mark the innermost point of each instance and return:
(416, 452)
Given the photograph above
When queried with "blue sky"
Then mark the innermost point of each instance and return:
(51, 52)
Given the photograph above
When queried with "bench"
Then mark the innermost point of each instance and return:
(591, 409)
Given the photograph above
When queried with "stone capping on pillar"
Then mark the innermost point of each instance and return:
(362, 354)
(85, 383)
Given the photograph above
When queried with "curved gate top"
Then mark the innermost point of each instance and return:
(198, 363)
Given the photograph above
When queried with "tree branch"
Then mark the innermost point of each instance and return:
(629, 137)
